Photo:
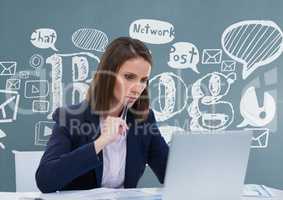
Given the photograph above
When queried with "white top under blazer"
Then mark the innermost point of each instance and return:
(114, 162)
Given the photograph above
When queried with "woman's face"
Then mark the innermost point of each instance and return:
(131, 80)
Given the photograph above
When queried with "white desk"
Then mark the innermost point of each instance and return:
(98, 194)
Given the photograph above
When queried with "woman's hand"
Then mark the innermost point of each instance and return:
(112, 128)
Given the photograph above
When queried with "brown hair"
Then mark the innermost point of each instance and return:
(101, 90)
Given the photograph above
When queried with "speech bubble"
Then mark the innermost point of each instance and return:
(184, 55)
(253, 43)
(44, 38)
(152, 31)
(90, 39)
(253, 113)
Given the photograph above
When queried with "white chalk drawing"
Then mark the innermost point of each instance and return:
(211, 56)
(79, 91)
(265, 82)
(172, 95)
(253, 43)
(90, 39)
(13, 84)
(43, 131)
(36, 88)
(152, 31)
(184, 55)
(40, 106)
(260, 137)
(80, 68)
(168, 131)
(36, 61)
(219, 116)
(26, 74)
(213, 86)
(80, 72)
(8, 68)
(253, 113)
(9, 104)
(2, 135)
(44, 38)
(228, 66)
(218, 120)
(23, 74)
(56, 84)
(207, 110)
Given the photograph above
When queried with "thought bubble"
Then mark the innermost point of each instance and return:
(253, 43)
(44, 38)
(152, 31)
(184, 55)
(90, 39)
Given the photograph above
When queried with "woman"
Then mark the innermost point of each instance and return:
(97, 143)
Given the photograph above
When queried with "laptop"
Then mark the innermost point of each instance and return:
(207, 166)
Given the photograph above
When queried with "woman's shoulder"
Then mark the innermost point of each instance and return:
(150, 116)
(148, 120)
(64, 114)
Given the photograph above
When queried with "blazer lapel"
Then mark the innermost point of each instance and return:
(131, 153)
(93, 118)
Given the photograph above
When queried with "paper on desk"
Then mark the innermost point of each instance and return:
(253, 190)
(74, 195)
(130, 194)
(106, 194)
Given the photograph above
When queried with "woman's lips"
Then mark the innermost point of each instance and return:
(131, 99)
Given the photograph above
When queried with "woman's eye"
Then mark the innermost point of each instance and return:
(144, 81)
(129, 77)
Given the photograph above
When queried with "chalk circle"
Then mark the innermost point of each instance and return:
(36, 61)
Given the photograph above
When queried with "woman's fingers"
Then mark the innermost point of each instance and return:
(113, 128)
(123, 127)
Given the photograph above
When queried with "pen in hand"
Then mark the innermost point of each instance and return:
(124, 114)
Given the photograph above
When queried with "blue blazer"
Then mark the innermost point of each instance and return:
(70, 161)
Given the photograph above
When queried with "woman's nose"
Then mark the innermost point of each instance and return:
(136, 88)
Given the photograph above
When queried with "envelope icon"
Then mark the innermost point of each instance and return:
(13, 84)
(260, 137)
(211, 56)
(9, 102)
(228, 66)
(8, 68)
